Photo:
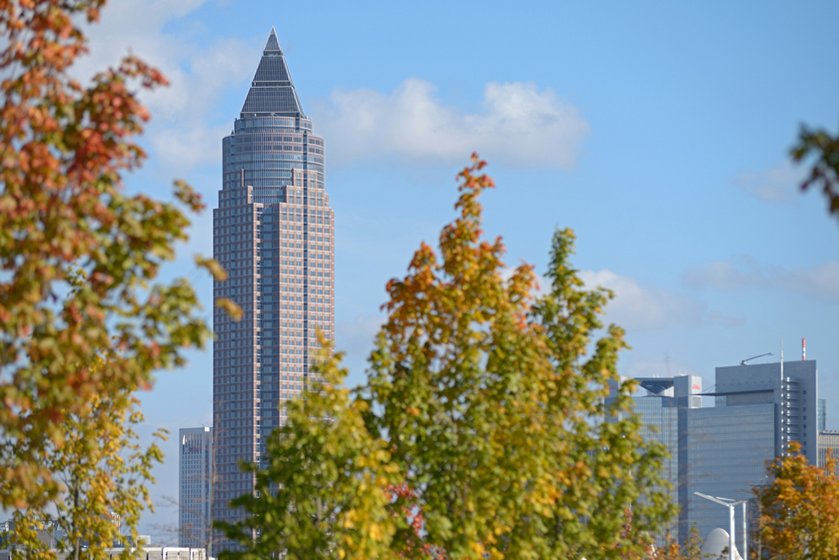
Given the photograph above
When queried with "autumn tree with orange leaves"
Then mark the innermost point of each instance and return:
(799, 509)
(480, 428)
(83, 319)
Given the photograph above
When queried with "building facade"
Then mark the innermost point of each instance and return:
(723, 450)
(663, 404)
(273, 232)
(829, 447)
(759, 410)
(195, 462)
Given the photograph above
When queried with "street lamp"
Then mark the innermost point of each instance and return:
(731, 504)
(745, 526)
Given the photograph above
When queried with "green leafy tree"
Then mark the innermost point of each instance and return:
(491, 405)
(799, 510)
(325, 492)
(79, 257)
(489, 400)
(822, 149)
(623, 503)
(104, 472)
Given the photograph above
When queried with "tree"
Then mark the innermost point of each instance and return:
(799, 510)
(104, 472)
(79, 256)
(488, 400)
(490, 404)
(325, 491)
(672, 550)
(823, 147)
(79, 261)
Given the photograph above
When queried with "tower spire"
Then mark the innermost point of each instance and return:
(272, 91)
(273, 44)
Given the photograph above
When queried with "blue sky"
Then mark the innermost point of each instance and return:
(658, 131)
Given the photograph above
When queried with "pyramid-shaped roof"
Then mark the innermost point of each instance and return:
(272, 91)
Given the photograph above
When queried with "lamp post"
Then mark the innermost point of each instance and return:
(745, 531)
(731, 504)
(744, 526)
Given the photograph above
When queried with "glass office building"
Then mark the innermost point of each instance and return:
(663, 404)
(722, 450)
(273, 232)
(728, 448)
(195, 471)
(759, 410)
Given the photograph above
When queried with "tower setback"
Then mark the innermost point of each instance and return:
(273, 232)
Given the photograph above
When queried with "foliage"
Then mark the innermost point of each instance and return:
(824, 148)
(103, 470)
(326, 491)
(490, 404)
(799, 510)
(78, 256)
(690, 550)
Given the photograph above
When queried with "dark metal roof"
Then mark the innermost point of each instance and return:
(655, 385)
(273, 45)
(272, 91)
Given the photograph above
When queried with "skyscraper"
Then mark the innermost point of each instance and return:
(195, 465)
(273, 232)
(722, 450)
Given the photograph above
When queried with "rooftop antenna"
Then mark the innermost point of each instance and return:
(747, 360)
(803, 349)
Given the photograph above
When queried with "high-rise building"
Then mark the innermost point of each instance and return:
(722, 450)
(273, 232)
(663, 406)
(196, 470)
(759, 410)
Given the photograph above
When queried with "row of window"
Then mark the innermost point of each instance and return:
(273, 123)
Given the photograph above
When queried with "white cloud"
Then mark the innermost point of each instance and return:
(198, 75)
(777, 184)
(725, 275)
(821, 281)
(520, 124)
(638, 307)
(183, 148)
